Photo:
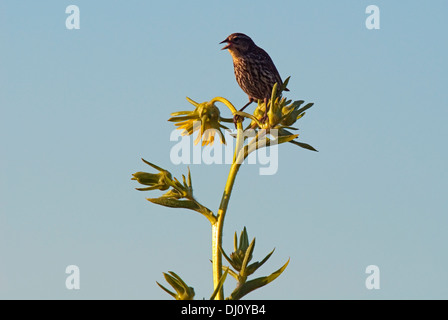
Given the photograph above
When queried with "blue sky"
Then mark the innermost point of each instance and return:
(79, 108)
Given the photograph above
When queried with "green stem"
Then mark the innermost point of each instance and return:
(217, 227)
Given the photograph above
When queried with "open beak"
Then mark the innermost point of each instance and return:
(228, 44)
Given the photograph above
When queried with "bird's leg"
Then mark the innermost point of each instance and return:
(245, 106)
(237, 118)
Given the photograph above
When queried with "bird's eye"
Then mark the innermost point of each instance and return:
(235, 39)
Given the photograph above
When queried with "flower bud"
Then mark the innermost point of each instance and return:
(290, 113)
(183, 291)
(159, 180)
(205, 113)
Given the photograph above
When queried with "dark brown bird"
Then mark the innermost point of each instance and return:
(255, 71)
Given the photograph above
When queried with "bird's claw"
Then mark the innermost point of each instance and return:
(237, 118)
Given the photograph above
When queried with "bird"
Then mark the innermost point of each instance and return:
(254, 69)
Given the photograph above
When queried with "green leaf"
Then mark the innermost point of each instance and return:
(228, 259)
(147, 189)
(244, 240)
(285, 83)
(274, 92)
(303, 145)
(153, 165)
(186, 204)
(283, 132)
(266, 258)
(175, 281)
(173, 203)
(232, 273)
(190, 185)
(146, 178)
(184, 118)
(247, 258)
(184, 180)
(306, 107)
(184, 292)
(290, 128)
(296, 104)
(283, 139)
(173, 194)
(192, 102)
(235, 242)
(167, 291)
(177, 185)
(252, 285)
(220, 284)
(254, 266)
(180, 113)
(300, 115)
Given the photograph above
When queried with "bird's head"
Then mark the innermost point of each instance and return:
(238, 44)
